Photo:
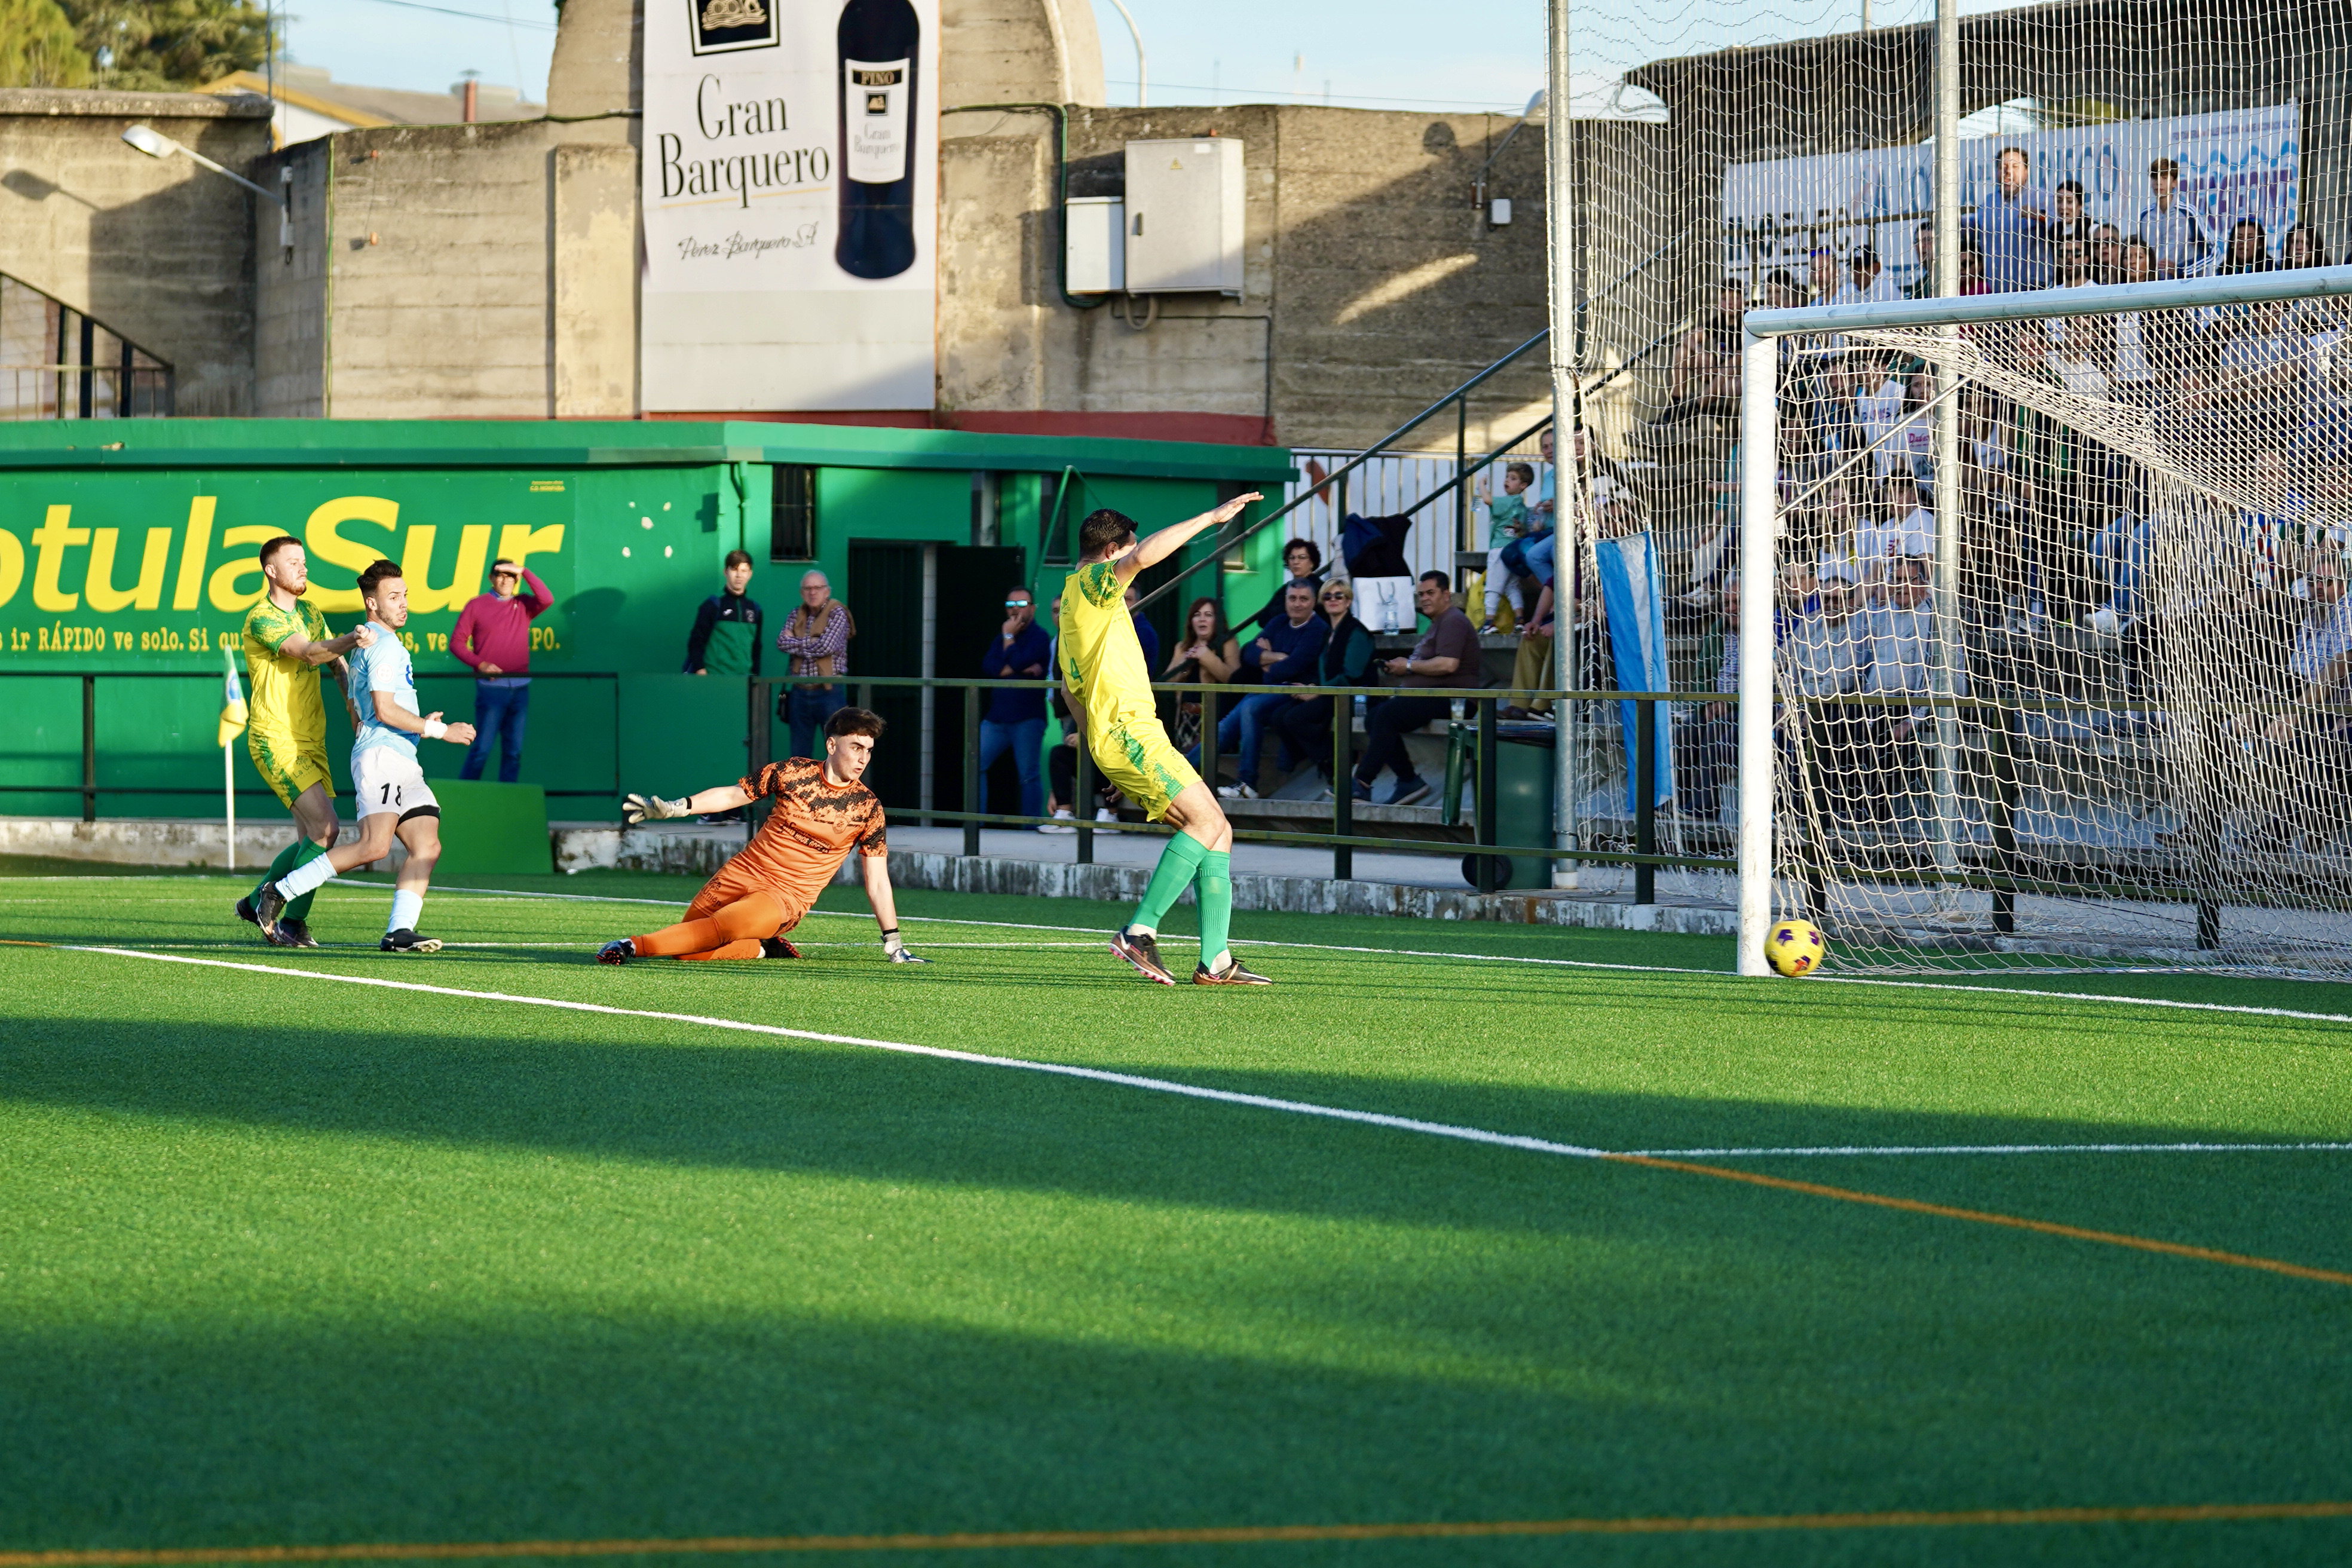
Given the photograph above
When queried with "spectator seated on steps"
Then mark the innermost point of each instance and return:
(1302, 561)
(1285, 653)
(1305, 721)
(1446, 656)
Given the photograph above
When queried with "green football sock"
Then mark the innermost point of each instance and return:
(297, 854)
(1215, 896)
(287, 858)
(1179, 863)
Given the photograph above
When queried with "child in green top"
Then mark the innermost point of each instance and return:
(1507, 519)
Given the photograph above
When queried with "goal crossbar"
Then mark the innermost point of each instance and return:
(1758, 489)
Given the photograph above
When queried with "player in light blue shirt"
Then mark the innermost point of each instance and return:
(395, 801)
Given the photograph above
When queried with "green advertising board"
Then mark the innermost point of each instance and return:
(128, 556)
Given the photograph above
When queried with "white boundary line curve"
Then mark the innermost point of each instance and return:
(1162, 1085)
(2076, 996)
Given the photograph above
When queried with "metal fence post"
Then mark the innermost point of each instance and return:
(1343, 784)
(1208, 736)
(1645, 800)
(1488, 794)
(90, 748)
(973, 783)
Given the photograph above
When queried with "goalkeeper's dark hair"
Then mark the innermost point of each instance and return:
(854, 722)
(1104, 529)
(380, 572)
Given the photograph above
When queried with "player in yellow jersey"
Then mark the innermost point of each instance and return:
(286, 644)
(1109, 690)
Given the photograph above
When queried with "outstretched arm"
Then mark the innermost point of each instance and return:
(1160, 546)
(638, 809)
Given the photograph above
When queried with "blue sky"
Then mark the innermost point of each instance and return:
(1372, 54)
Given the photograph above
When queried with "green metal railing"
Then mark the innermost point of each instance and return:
(1487, 853)
(89, 787)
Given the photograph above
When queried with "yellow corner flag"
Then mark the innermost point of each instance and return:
(232, 714)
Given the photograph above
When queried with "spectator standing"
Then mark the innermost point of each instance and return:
(1923, 246)
(2070, 222)
(2010, 228)
(1828, 654)
(493, 636)
(1904, 653)
(1825, 281)
(726, 637)
(1305, 721)
(1021, 651)
(1284, 655)
(1208, 654)
(2175, 236)
(1446, 656)
(817, 639)
(1705, 377)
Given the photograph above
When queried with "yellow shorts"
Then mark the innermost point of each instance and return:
(289, 767)
(1137, 755)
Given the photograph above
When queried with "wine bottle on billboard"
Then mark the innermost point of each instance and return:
(880, 43)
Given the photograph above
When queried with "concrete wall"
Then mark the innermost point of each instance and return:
(1372, 282)
(158, 251)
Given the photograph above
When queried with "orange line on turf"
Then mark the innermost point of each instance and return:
(1228, 1535)
(1982, 1217)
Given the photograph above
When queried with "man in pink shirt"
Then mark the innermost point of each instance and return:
(493, 636)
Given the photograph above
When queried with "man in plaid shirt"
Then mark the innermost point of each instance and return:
(816, 639)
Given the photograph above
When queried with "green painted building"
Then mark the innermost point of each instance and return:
(127, 563)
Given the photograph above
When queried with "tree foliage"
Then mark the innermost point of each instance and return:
(167, 45)
(38, 46)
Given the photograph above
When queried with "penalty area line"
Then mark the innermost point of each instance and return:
(1211, 1535)
(1268, 1103)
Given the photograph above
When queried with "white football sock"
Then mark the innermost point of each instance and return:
(314, 873)
(405, 907)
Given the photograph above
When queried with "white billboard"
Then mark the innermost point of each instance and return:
(791, 172)
(2234, 165)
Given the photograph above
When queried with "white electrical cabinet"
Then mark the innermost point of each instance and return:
(1185, 216)
(1094, 245)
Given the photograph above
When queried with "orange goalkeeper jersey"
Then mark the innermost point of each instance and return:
(813, 827)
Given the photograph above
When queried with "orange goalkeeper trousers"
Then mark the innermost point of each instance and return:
(731, 930)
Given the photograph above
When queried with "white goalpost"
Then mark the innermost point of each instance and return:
(2084, 704)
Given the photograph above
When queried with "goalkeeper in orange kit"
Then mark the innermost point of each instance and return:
(822, 811)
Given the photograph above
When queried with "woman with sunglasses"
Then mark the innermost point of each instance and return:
(1305, 724)
(1207, 654)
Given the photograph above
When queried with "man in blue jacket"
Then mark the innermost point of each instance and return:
(1284, 655)
(1021, 651)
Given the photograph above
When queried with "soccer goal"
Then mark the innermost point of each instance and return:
(2046, 591)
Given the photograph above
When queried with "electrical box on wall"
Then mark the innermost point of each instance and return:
(1185, 216)
(1094, 245)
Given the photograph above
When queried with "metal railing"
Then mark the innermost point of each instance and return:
(89, 787)
(1486, 852)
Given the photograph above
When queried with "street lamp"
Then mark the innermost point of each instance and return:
(1142, 76)
(155, 144)
(1499, 210)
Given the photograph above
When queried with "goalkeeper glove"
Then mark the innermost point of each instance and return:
(897, 950)
(638, 809)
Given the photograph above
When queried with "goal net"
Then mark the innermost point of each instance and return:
(2098, 715)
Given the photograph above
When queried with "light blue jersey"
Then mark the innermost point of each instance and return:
(382, 666)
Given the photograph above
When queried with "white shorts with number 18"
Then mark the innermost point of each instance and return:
(387, 779)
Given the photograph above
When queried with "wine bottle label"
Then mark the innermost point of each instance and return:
(875, 92)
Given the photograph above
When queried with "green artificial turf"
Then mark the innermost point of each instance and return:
(290, 1261)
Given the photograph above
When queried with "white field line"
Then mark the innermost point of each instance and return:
(1158, 1084)
(2075, 996)
(1898, 1149)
